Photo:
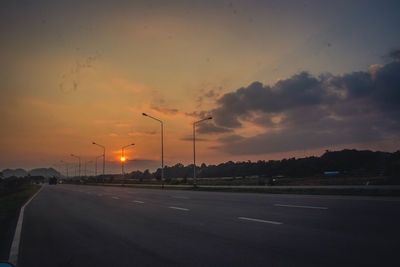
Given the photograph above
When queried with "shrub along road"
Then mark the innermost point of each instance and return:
(11, 200)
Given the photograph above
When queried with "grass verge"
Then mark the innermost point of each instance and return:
(10, 206)
(271, 190)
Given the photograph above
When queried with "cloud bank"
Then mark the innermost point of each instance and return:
(306, 111)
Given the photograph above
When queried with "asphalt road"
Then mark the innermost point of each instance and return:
(71, 225)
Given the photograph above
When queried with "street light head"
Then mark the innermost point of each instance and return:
(209, 118)
(72, 155)
(93, 143)
(144, 114)
(132, 144)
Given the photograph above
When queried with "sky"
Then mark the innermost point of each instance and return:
(280, 79)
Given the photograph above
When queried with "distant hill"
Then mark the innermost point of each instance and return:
(45, 172)
(17, 173)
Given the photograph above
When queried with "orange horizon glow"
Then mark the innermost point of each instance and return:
(68, 84)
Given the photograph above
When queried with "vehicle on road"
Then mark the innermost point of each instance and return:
(53, 180)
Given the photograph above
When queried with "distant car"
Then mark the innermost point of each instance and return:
(53, 180)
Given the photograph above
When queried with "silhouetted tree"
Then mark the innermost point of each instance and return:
(347, 161)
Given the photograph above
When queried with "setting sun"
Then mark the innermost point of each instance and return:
(123, 159)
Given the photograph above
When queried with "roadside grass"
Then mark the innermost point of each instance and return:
(10, 205)
(310, 191)
(271, 190)
(239, 181)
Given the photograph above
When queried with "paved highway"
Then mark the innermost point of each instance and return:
(71, 225)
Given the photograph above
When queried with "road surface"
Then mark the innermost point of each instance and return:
(71, 225)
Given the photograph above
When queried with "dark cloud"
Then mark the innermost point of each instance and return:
(196, 114)
(231, 138)
(190, 138)
(394, 54)
(207, 127)
(305, 111)
(211, 94)
(296, 140)
(168, 111)
(301, 89)
(211, 128)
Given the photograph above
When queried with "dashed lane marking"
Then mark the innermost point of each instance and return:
(178, 208)
(258, 220)
(303, 207)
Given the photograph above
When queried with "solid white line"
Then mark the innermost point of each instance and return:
(13, 258)
(304, 207)
(115, 197)
(258, 220)
(138, 201)
(178, 208)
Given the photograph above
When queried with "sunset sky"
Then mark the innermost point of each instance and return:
(281, 79)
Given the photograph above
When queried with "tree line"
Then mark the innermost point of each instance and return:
(345, 162)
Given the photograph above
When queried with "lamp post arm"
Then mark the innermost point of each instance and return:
(155, 118)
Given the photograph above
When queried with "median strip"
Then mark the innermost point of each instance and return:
(178, 208)
(258, 220)
(304, 207)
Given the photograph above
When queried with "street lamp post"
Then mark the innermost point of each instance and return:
(162, 143)
(194, 149)
(123, 158)
(104, 155)
(66, 167)
(79, 166)
(95, 168)
(85, 166)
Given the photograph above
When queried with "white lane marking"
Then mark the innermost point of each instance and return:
(180, 197)
(258, 220)
(304, 207)
(13, 258)
(178, 208)
(138, 201)
(115, 197)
